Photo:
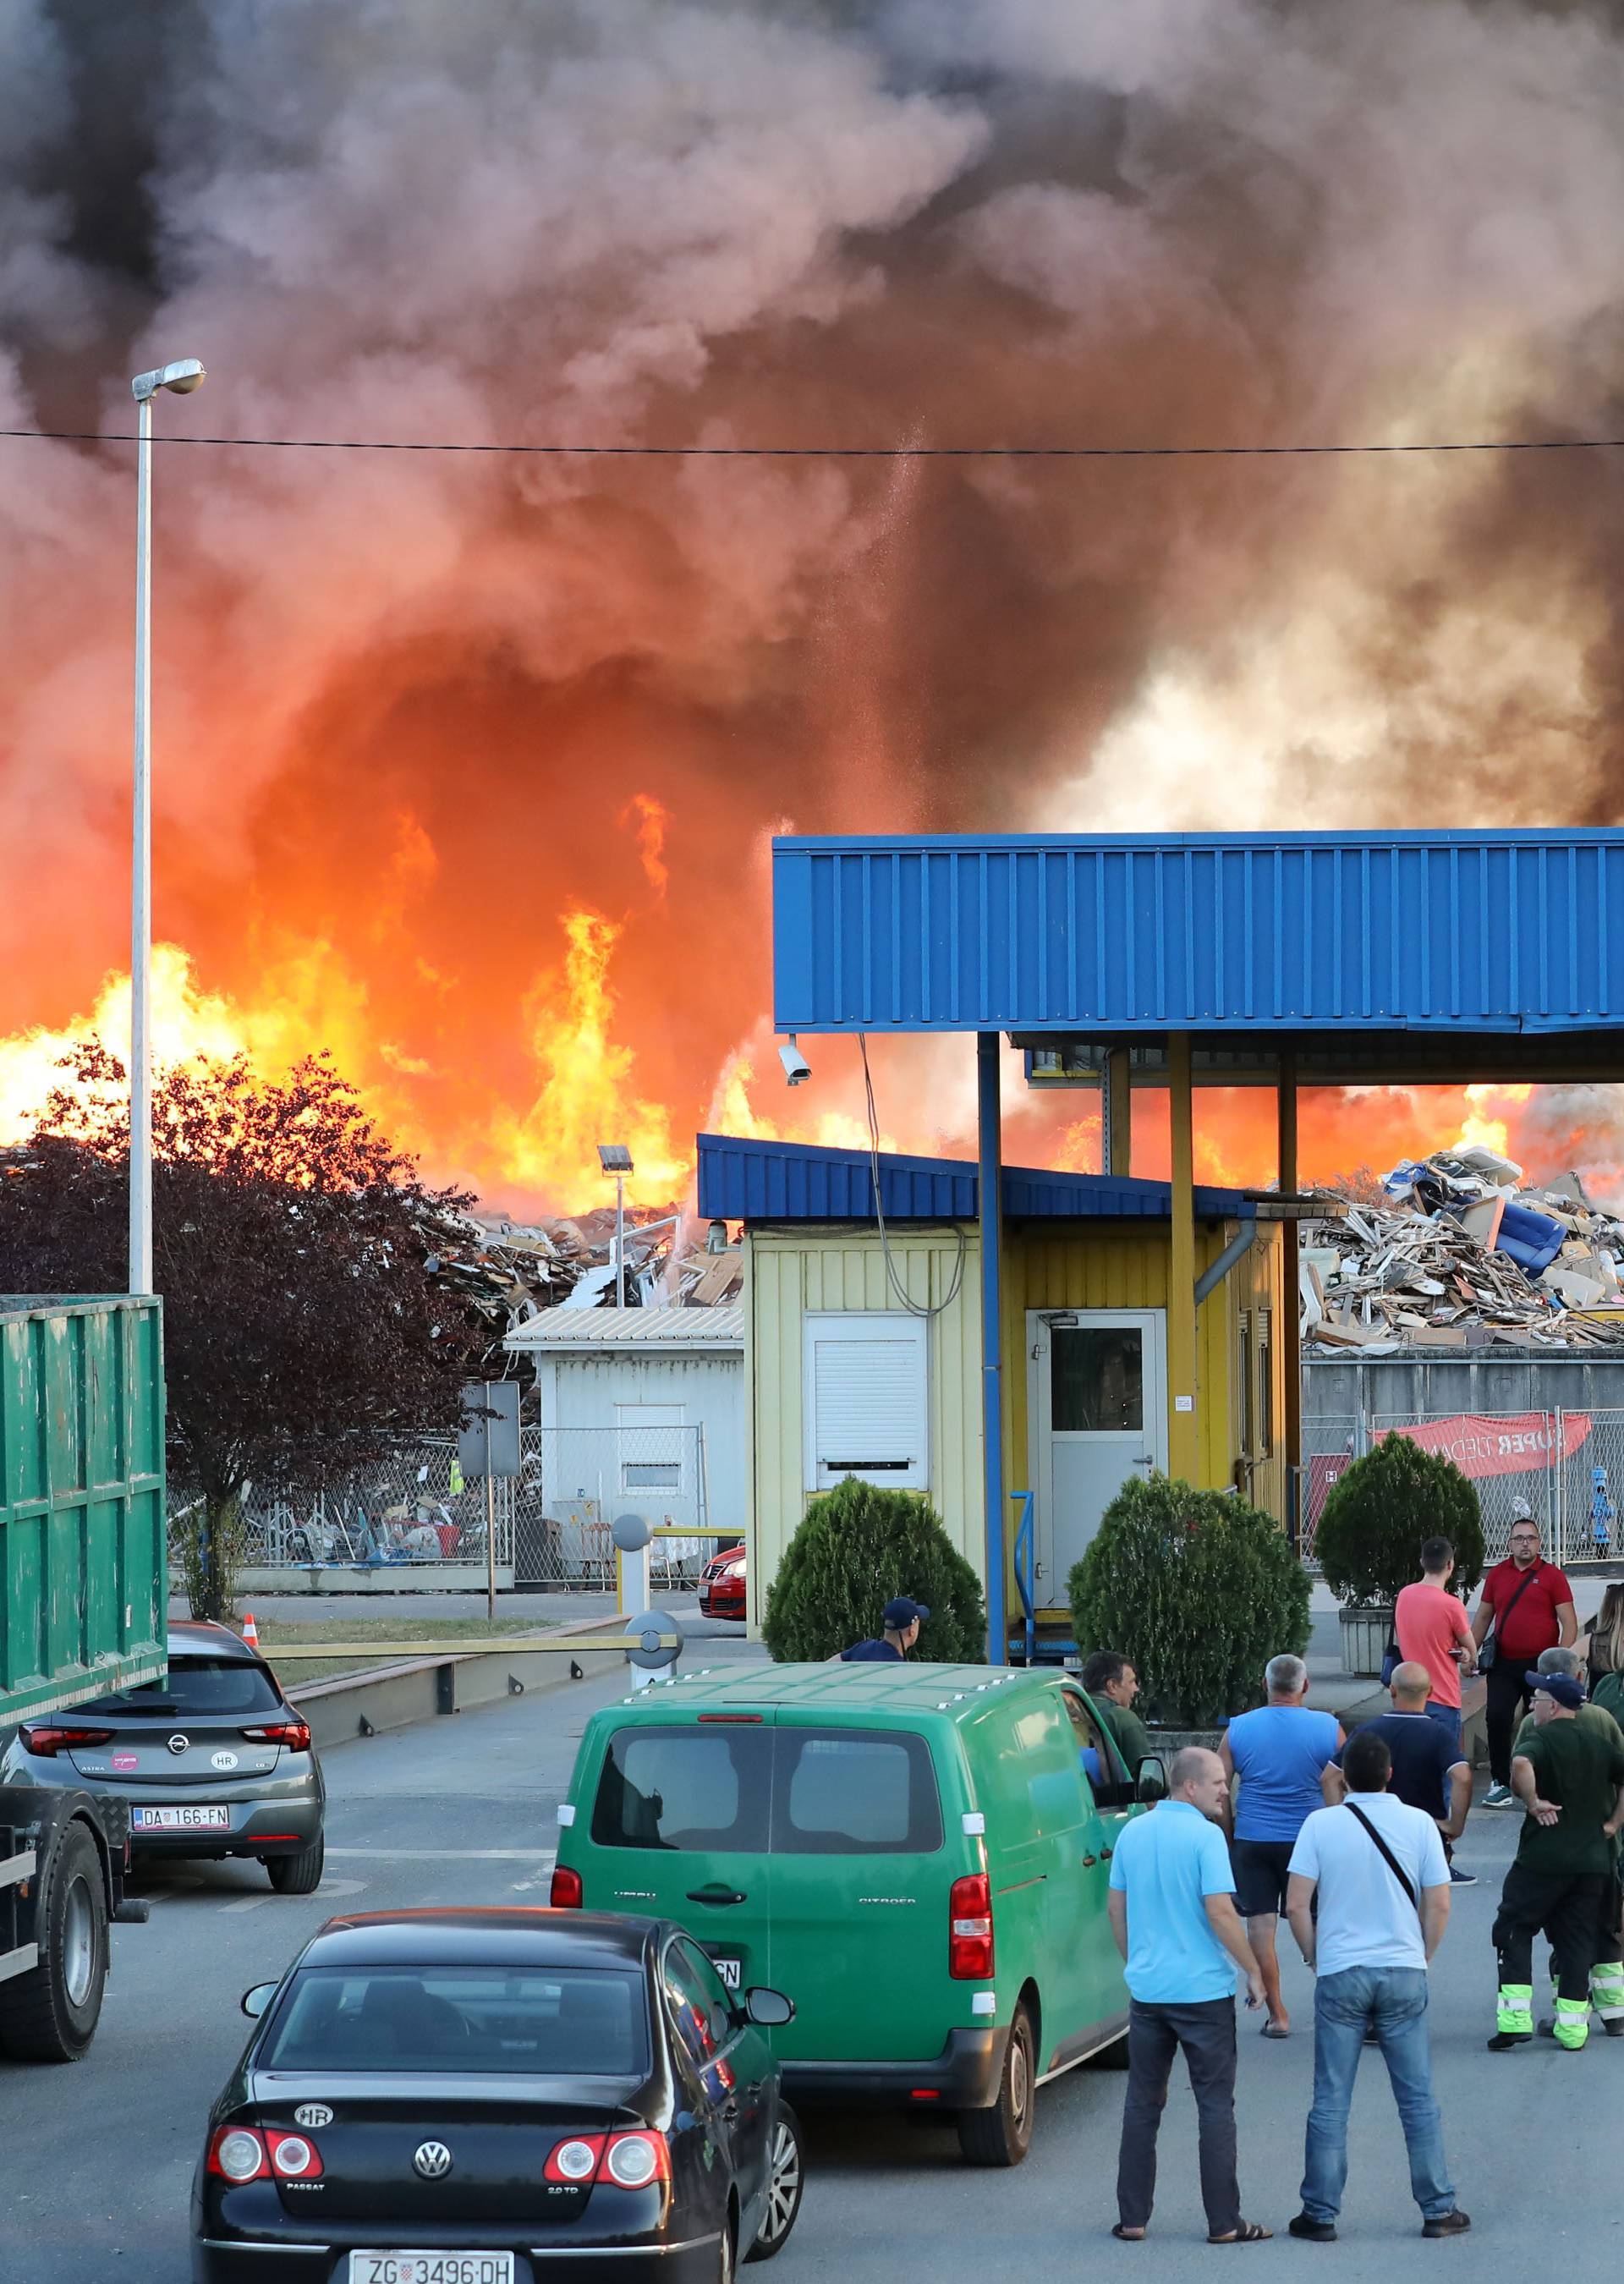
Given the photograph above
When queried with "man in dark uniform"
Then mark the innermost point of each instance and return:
(902, 1620)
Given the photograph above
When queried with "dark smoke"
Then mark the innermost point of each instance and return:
(1177, 221)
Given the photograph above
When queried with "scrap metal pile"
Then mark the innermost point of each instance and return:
(1460, 1256)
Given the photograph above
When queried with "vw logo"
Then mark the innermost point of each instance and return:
(433, 2160)
(178, 1744)
(312, 2116)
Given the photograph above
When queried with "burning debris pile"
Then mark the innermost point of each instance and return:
(1461, 1258)
(508, 1270)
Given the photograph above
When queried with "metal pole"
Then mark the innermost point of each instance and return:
(991, 1202)
(141, 882)
(490, 1527)
(620, 1240)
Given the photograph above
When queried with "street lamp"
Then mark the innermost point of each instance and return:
(181, 377)
(615, 1159)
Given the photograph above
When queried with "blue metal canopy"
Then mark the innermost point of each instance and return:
(1501, 933)
(803, 1182)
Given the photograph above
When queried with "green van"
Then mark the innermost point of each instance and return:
(916, 1853)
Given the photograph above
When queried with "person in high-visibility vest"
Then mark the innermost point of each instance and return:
(1570, 1780)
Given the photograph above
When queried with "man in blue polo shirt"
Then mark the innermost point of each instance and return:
(1173, 1914)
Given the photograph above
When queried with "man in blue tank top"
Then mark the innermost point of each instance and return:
(1277, 1759)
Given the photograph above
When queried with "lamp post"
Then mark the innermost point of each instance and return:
(615, 1159)
(181, 377)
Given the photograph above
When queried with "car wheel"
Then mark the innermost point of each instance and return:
(300, 1874)
(724, 2257)
(1003, 2134)
(49, 2015)
(787, 2175)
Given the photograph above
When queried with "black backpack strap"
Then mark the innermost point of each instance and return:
(1393, 1866)
(1501, 1615)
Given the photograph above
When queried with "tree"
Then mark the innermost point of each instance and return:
(1369, 1538)
(1197, 1589)
(294, 1246)
(855, 1547)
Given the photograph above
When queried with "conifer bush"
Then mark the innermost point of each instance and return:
(856, 1548)
(1198, 1590)
(1370, 1535)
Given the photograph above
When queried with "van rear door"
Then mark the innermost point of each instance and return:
(861, 1875)
(678, 1829)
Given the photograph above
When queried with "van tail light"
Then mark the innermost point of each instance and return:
(293, 2157)
(564, 1894)
(48, 1738)
(295, 1735)
(970, 1929)
(238, 2154)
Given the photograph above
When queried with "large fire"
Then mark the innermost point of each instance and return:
(467, 764)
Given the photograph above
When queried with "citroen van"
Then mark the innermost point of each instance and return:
(918, 1855)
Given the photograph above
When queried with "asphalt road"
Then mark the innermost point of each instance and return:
(95, 2160)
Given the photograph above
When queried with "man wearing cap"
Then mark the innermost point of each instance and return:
(1527, 1606)
(902, 1620)
(1607, 1970)
(1570, 1780)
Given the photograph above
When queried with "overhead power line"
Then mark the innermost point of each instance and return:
(845, 451)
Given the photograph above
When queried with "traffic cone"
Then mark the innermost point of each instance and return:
(251, 1633)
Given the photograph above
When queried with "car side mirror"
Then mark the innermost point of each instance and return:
(1151, 1784)
(256, 2001)
(770, 2010)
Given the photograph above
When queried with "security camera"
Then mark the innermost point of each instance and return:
(797, 1069)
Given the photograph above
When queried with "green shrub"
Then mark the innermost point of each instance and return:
(1369, 1534)
(856, 1548)
(1199, 1590)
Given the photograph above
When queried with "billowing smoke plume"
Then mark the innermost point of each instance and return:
(465, 763)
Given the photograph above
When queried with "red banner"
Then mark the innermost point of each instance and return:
(1491, 1443)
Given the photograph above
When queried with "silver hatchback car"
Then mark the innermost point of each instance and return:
(213, 1760)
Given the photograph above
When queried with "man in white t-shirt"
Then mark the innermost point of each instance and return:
(1383, 1884)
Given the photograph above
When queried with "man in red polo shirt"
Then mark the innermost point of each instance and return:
(1528, 1604)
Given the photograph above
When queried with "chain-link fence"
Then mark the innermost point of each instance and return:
(551, 1527)
(1567, 1465)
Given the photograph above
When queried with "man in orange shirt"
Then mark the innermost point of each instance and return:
(1434, 1630)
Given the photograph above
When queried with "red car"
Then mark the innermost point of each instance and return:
(721, 1583)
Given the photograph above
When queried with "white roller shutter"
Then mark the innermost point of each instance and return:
(864, 1399)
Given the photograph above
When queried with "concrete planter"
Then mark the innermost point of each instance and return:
(1168, 1741)
(1366, 1632)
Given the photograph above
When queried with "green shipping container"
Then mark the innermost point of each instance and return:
(84, 1553)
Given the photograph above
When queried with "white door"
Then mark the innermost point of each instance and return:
(1097, 1404)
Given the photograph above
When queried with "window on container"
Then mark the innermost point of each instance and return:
(650, 1440)
(1096, 1383)
(1266, 1384)
(1248, 1405)
(864, 1394)
(854, 1792)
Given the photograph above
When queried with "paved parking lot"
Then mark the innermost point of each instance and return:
(95, 2160)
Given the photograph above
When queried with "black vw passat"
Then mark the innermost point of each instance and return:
(483, 2097)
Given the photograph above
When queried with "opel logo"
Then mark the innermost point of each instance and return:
(433, 2160)
(178, 1744)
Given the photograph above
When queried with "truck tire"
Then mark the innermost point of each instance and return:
(49, 2015)
(300, 1874)
(1003, 2134)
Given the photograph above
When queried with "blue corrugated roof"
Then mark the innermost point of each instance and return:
(799, 1181)
(1497, 932)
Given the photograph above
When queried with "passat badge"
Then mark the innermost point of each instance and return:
(312, 2116)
